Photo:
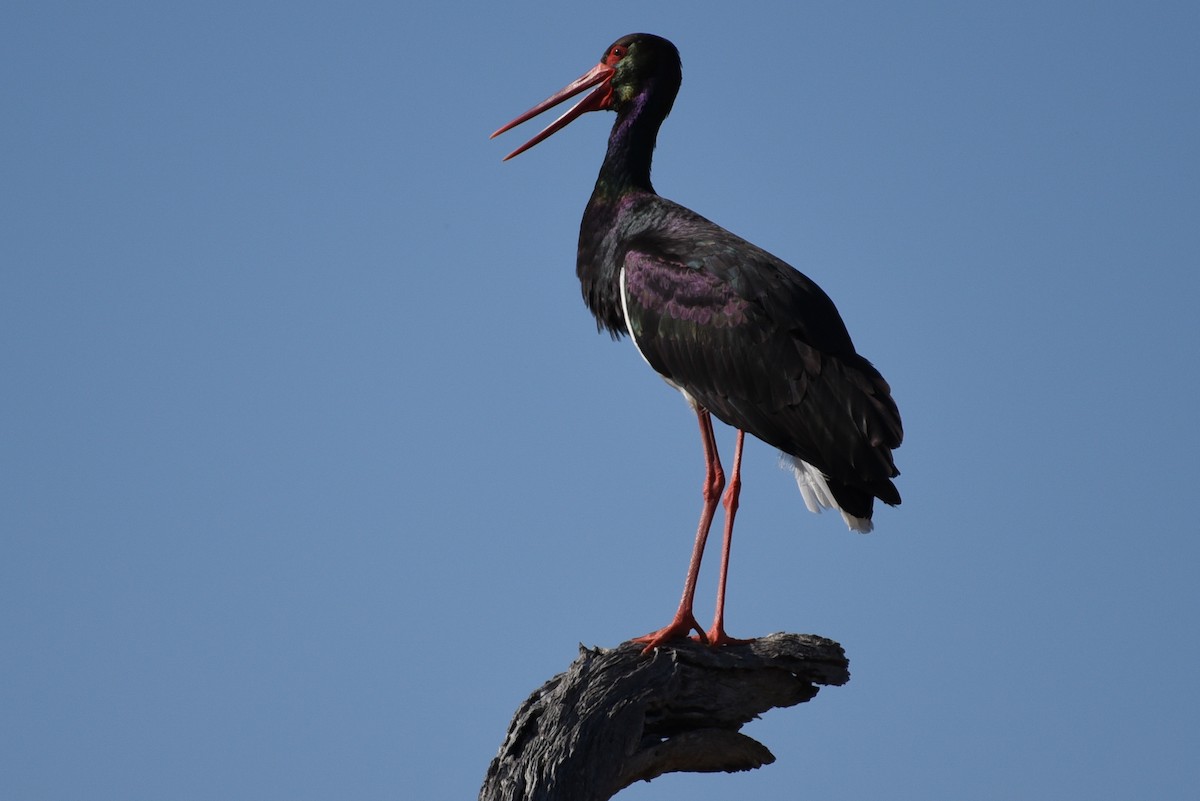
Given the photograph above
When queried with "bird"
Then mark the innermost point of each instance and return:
(744, 336)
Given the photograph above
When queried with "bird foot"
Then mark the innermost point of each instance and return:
(677, 629)
(717, 637)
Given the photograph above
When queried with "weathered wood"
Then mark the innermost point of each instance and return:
(617, 716)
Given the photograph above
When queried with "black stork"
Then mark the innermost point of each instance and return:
(743, 335)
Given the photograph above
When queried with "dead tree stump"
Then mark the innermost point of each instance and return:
(617, 716)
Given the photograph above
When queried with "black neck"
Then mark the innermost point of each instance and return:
(631, 145)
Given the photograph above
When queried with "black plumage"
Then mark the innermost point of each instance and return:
(742, 334)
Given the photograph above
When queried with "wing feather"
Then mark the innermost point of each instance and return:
(763, 348)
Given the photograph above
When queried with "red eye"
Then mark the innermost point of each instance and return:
(615, 54)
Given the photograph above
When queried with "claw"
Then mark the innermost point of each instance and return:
(717, 637)
(677, 629)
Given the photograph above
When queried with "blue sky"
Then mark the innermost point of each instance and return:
(314, 465)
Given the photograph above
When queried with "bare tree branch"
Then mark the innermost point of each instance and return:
(618, 716)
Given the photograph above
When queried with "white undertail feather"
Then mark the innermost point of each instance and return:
(815, 491)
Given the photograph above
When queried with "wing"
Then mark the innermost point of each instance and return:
(764, 349)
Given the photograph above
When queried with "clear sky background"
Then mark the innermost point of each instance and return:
(313, 466)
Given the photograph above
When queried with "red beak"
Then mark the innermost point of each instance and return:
(599, 76)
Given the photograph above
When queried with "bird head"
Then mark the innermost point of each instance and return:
(636, 64)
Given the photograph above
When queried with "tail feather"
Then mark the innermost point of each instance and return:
(814, 488)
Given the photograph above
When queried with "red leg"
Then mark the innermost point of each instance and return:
(714, 481)
(717, 635)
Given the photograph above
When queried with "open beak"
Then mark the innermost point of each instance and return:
(599, 76)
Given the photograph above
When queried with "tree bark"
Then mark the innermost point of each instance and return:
(617, 716)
